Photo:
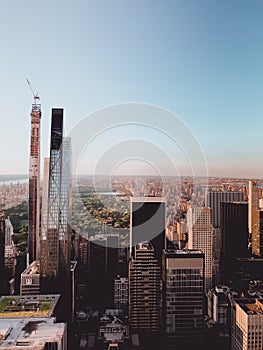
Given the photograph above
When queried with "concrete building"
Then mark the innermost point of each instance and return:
(257, 232)
(183, 297)
(253, 204)
(32, 333)
(200, 237)
(30, 279)
(144, 290)
(247, 324)
(2, 253)
(34, 183)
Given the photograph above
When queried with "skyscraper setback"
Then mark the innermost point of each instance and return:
(34, 182)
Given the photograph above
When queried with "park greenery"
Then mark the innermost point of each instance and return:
(91, 211)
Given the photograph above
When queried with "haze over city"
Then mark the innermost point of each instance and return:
(200, 60)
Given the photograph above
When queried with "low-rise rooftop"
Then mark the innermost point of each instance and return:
(28, 306)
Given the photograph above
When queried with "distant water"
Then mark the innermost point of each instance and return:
(13, 179)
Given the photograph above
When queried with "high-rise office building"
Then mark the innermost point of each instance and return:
(34, 184)
(144, 290)
(147, 223)
(234, 218)
(213, 200)
(253, 204)
(102, 269)
(183, 296)
(257, 232)
(247, 321)
(200, 237)
(2, 253)
(56, 236)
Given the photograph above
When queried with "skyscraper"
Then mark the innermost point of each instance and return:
(2, 253)
(56, 237)
(183, 297)
(247, 320)
(144, 290)
(257, 233)
(34, 184)
(147, 223)
(200, 237)
(213, 200)
(253, 203)
(234, 218)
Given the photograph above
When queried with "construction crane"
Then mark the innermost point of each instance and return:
(36, 97)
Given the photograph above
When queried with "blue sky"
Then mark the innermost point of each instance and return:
(202, 60)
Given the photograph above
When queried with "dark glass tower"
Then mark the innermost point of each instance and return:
(183, 297)
(234, 219)
(55, 238)
(147, 223)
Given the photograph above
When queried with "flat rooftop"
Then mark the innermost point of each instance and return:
(251, 306)
(28, 306)
(30, 333)
(32, 269)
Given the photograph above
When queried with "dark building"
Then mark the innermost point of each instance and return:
(147, 223)
(183, 298)
(102, 269)
(55, 254)
(234, 219)
(214, 199)
(34, 183)
(144, 290)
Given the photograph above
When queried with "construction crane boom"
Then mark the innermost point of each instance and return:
(36, 97)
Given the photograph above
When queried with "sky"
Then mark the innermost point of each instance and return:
(200, 60)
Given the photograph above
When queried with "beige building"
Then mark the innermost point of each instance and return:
(200, 237)
(247, 324)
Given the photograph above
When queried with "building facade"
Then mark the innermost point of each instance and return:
(144, 290)
(247, 324)
(148, 223)
(200, 237)
(34, 184)
(253, 204)
(56, 213)
(213, 200)
(183, 297)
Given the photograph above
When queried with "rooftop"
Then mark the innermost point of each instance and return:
(28, 306)
(30, 333)
(33, 268)
(251, 306)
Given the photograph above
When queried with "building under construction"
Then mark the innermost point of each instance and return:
(34, 181)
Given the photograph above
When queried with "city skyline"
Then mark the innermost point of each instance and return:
(201, 61)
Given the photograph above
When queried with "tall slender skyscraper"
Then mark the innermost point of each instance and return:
(2, 253)
(200, 237)
(55, 236)
(253, 205)
(34, 183)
